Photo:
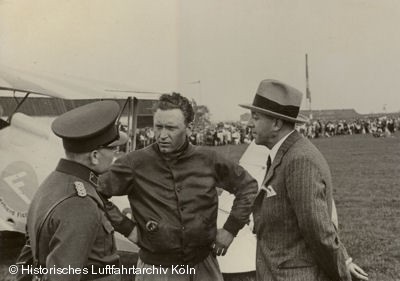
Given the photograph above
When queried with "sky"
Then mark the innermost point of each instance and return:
(215, 51)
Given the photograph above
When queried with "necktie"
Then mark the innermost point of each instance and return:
(268, 164)
(261, 194)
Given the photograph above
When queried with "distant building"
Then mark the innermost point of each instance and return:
(52, 107)
(382, 114)
(332, 114)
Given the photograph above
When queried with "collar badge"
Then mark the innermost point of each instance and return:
(80, 189)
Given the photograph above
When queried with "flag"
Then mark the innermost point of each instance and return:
(308, 94)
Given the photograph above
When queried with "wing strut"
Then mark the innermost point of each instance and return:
(18, 105)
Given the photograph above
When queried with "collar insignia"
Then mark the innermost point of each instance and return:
(94, 179)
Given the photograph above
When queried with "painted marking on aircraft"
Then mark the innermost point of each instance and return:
(16, 183)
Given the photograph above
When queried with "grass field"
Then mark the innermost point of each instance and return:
(366, 176)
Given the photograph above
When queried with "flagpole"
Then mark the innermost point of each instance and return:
(199, 96)
(308, 93)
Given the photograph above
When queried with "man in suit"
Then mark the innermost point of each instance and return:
(296, 239)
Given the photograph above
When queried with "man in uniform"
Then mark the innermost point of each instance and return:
(69, 231)
(171, 186)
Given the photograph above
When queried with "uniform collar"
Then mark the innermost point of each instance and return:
(76, 169)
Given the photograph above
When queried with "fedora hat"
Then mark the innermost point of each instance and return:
(277, 99)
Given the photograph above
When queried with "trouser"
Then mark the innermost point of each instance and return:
(207, 270)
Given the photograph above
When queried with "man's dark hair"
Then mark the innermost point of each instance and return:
(176, 101)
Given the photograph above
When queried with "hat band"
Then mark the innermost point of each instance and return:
(88, 144)
(267, 104)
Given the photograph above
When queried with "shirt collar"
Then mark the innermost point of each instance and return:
(176, 154)
(276, 147)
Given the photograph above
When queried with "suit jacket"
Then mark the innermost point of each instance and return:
(296, 239)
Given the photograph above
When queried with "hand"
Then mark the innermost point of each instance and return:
(357, 272)
(133, 236)
(222, 242)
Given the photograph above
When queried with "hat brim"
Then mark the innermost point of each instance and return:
(300, 118)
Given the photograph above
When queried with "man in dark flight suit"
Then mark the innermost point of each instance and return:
(171, 186)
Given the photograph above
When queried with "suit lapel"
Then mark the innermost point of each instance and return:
(291, 139)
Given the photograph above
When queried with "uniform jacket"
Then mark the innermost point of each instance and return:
(175, 202)
(77, 233)
(296, 239)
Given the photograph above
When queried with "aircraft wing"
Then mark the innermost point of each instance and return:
(67, 86)
(254, 161)
(28, 149)
(241, 255)
(28, 152)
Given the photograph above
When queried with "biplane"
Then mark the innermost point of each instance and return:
(30, 151)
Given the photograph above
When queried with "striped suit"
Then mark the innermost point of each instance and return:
(296, 239)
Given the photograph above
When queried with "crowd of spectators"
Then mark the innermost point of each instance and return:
(220, 134)
(378, 127)
(238, 133)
